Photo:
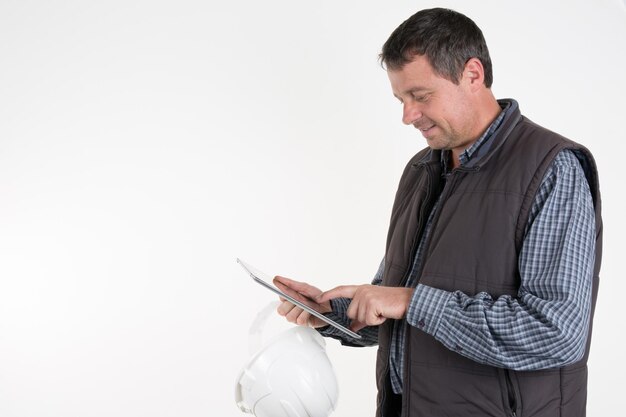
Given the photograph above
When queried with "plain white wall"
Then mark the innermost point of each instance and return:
(144, 145)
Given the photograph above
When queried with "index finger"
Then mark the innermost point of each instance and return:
(346, 291)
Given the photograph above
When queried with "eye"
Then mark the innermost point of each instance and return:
(421, 98)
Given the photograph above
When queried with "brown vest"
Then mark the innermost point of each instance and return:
(496, 192)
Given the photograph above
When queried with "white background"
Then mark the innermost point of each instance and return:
(144, 145)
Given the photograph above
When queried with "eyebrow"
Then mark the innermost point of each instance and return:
(412, 91)
(416, 90)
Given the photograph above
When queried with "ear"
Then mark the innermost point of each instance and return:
(474, 74)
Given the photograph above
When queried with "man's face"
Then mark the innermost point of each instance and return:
(437, 107)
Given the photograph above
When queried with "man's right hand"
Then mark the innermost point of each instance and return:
(305, 293)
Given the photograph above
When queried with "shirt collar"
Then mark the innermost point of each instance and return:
(482, 142)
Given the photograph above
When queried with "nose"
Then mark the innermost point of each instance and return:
(410, 113)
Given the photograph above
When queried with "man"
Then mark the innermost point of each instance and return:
(484, 301)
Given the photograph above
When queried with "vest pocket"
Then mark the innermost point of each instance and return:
(437, 391)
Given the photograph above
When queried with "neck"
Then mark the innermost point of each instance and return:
(489, 109)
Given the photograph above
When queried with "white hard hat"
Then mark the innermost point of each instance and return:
(290, 377)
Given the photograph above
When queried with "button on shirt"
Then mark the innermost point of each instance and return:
(556, 271)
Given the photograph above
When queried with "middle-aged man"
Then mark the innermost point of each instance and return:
(483, 303)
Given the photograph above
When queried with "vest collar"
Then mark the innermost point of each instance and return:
(484, 153)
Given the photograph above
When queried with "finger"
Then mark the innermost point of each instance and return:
(297, 297)
(310, 302)
(285, 287)
(346, 291)
(364, 318)
(308, 298)
(355, 325)
(284, 280)
(357, 309)
(293, 291)
(293, 314)
(361, 311)
(303, 319)
(362, 314)
(284, 307)
(302, 288)
(298, 316)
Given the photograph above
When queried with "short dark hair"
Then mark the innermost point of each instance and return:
(447, 38)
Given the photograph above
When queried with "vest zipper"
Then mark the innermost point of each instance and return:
(437, 204)
(423, 214)
(511, 393)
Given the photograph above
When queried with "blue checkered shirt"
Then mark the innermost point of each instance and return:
(546, 324)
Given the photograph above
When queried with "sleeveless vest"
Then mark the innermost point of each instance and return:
(496, 192)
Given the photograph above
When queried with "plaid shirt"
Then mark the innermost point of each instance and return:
(556, 269)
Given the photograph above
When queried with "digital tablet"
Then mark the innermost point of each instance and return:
(262, 279)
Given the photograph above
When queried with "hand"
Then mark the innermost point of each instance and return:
(306, 294)
(371, 304)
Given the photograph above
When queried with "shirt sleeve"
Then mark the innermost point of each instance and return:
(369, 335)
(546, 324)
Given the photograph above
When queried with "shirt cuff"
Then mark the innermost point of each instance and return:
(427, 307)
